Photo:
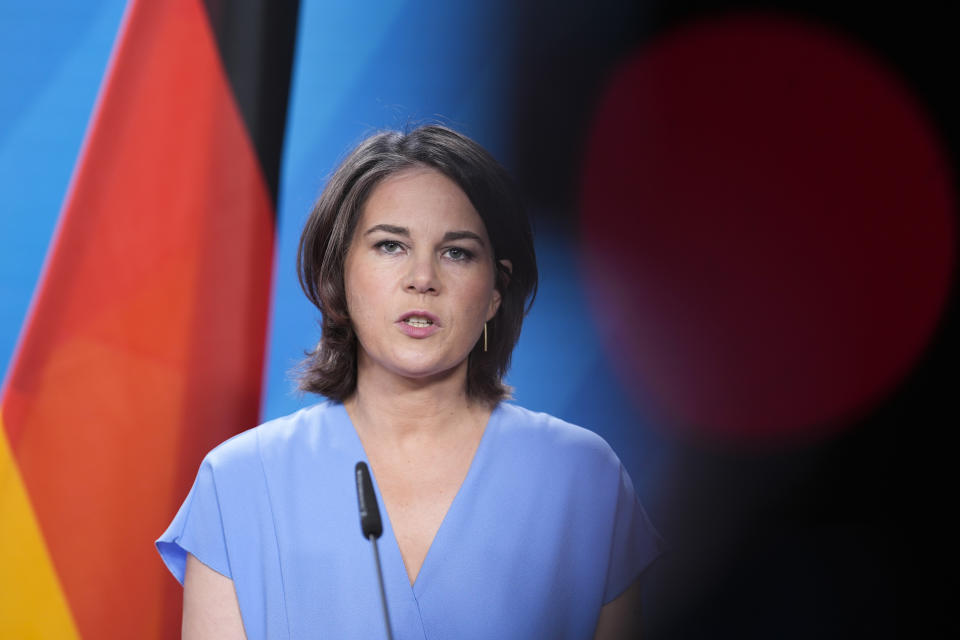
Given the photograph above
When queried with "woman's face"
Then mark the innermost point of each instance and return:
(419, 277)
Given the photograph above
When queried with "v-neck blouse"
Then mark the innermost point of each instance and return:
(545, 530)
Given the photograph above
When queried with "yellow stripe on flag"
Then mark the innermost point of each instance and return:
(32, 604)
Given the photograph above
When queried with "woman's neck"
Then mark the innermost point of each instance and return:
(395, 410)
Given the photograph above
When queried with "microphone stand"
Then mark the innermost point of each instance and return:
(383, 593)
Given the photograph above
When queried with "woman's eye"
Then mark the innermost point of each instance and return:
(458, 254)
(389, 246)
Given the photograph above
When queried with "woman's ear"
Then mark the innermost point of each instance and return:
(504, 270)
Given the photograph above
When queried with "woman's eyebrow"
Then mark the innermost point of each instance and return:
(462, 235)
(389, 228)
(447, 237)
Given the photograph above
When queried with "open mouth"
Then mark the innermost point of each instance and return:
(418, 321)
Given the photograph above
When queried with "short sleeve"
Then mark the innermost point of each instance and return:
(635, 543)
(197, 529)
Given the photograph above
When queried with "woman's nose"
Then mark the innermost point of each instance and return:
(423, 276)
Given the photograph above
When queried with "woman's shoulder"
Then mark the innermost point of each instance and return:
(283, 433)
(544, 433)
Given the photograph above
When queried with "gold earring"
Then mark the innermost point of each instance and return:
(484, 337)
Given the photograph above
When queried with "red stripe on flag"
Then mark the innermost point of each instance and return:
(145, 344)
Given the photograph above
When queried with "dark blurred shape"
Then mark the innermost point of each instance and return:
(768, 220)
(847, 532)
(822, 582)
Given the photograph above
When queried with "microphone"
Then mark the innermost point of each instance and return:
(372, 528)
(370, 523)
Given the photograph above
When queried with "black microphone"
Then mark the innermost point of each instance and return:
(370, 523)
(372, 528)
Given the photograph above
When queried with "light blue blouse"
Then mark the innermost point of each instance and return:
(545, 530)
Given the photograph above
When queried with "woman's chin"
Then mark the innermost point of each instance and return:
(423, 375)
(420, 372)
(419, 366)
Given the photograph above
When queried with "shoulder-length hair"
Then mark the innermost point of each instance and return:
(331, 368)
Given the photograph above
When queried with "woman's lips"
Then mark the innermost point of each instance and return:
(418, 324)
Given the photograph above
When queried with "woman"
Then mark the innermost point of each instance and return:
(498, 523)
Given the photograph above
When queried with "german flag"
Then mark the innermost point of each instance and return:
(144, 346)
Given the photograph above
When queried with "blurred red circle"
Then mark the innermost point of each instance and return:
(768, 225)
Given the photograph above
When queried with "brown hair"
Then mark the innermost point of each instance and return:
(331, 368)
